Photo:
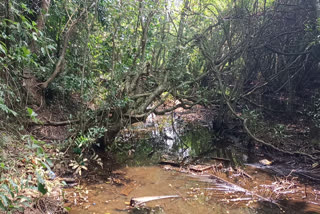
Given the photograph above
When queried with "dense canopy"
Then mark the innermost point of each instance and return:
(106, 64)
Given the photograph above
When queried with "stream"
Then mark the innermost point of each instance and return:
(167, 157)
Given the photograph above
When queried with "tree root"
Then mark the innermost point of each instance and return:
(274, 147)
(244, 120)
(55, 123)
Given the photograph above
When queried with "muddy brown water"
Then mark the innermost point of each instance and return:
(155, 181)
(198, 194)
(204, 193)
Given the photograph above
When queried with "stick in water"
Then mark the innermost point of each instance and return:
(141, 200)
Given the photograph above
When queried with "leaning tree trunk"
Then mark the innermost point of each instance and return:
(30, 83)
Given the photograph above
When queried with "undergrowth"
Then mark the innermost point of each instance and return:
(25, 172)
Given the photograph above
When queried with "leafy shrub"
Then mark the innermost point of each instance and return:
(12, 195)
(4, 91)
(82, 144)
(34, 177)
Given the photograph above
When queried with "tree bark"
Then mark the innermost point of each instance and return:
(44, 10)
(45, 5)
(182, 22)
(59, 65)
(30, 82)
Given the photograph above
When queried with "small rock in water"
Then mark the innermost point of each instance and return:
(265, 162)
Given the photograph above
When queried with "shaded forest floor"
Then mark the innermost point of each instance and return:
(288, 133)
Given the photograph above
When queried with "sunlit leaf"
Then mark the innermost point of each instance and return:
(3, 48)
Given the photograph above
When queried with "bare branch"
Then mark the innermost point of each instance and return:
(286, 54)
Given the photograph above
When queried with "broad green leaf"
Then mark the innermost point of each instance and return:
(26, 51)
(40, 151)
(5, 187)
(14, 185)
(5, 200)
(49, 162)
(51, 47)
(3, 48)
(45, 165)
(42, 188)
(2, 206)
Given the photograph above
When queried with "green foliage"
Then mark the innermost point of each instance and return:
(123, 55)
(17, 33)
(314, 112)
(197, 141)
(3, 48)
(40, 161)
(42, 188)
(279, 131)
(33, 115)
(11, 195)
(16, 181)
(254, 116)
(79, 165)
(6, 92)
(85, 141)
(82, 146)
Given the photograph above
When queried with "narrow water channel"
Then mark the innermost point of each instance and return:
(228, 185)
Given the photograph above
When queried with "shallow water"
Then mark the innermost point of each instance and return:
(196, 196)
(214, 191)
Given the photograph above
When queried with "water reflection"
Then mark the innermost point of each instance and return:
(167, 137)
(170, 138)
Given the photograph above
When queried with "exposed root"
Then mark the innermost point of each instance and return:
(244, 120)
(272, 146)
